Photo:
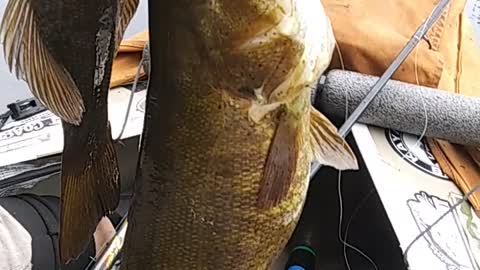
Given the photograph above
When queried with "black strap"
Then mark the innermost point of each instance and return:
(39, 216)
(49, 216)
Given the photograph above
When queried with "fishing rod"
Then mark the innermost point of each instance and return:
(109, 255)
(303, 257)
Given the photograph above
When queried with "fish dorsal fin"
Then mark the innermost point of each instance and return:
(26, 52)
(281, 164)
(327, 146)
(127, 10)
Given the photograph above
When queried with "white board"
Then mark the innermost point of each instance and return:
(42, 135)
(415, 193)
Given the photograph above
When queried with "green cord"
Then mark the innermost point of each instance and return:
(305, 248)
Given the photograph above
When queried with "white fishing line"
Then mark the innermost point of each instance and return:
(359, 206)
(130, 102)
(429, 228)
(344, 238)
(425, 112)
(340, 196)
(422, 97)
(420, 138)
(451, 208)
(418, 141)
(132, 93)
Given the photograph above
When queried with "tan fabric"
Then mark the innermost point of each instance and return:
(371, 33)
(461, 54)
(126, 63)
(459, 165)
(474, 152)
(462, 65)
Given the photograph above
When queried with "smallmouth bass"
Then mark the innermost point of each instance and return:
(229, 132)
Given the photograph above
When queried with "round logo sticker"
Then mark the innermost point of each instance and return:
(418, 155)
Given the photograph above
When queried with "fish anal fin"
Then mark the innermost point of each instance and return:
(281, 164)
(90, 190)
(26, 53)
(327, 146)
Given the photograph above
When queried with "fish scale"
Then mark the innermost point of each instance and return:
(184, 222)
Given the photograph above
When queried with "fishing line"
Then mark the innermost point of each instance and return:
(359, 206)
(387, 75)
(93, 260)
(418, 141)
(429, 228)
(422, 98)
(132, 93)
(343, 239)
(420, 138)
(451, 208)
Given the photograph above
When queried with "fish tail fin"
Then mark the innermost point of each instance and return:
(327, 146)
(26, 54)
(90, 188)
(127, 11)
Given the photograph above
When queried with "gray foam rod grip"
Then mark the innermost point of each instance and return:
(399, 106)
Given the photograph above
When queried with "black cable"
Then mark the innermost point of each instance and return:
(31, 174)
(4, 118)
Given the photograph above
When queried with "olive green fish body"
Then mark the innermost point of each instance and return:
(228, 138)
(197, 208)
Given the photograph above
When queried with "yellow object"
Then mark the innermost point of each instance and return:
(126, 63)
(462, 64)
(371, 33)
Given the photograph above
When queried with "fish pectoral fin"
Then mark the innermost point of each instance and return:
(327, 146)
(281, 164)
(26, 52)
(90, 190)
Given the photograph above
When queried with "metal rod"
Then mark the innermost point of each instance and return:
(387, 75)
(110, 253)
